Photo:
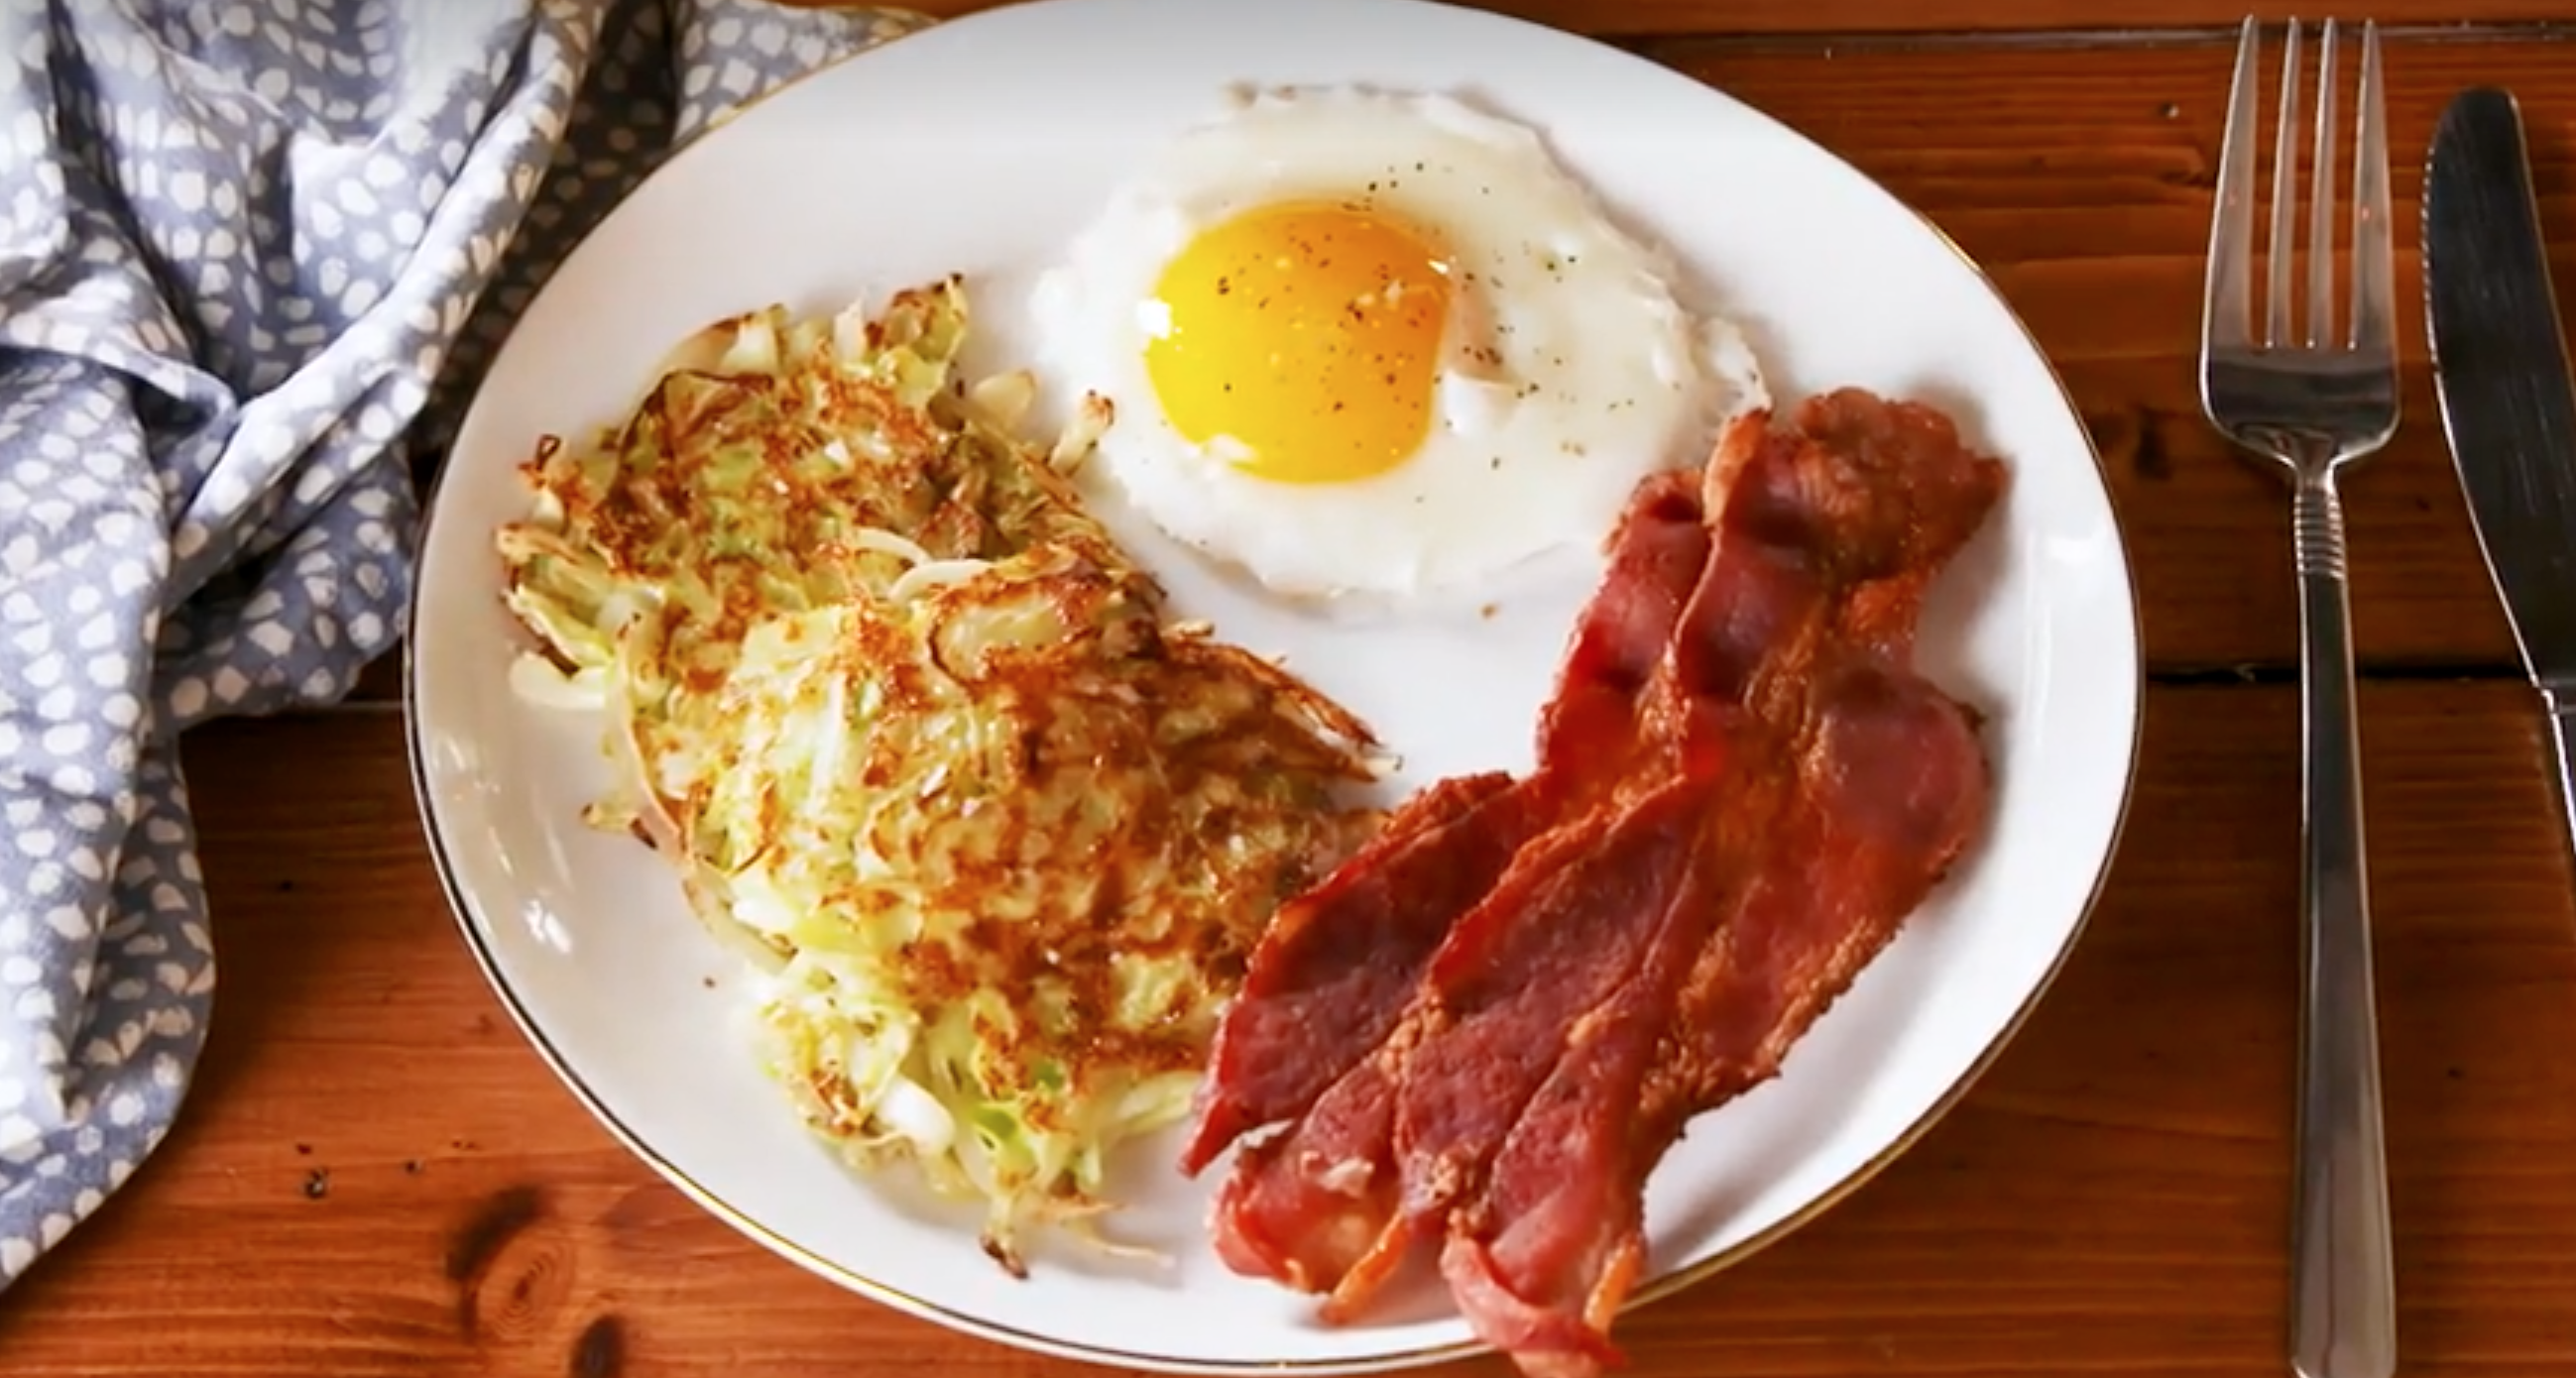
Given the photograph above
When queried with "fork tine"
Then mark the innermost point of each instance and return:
(2285, 200)
(2227, 312)
(2321, 225)
(2374, 291)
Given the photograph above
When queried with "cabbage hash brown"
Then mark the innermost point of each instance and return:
(996, 832)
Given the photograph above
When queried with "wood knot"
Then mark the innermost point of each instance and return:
(601, 1350)
(513, 1275)
(471, 1250)
(2132, 438)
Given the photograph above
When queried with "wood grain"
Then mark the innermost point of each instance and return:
(376, 1176)
(2082, 181)
(1929, 17)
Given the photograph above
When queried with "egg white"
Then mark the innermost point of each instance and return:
(1568, 369)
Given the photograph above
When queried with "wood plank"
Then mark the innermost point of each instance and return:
(2082, 181)
(375, 1176)
(1631, 17)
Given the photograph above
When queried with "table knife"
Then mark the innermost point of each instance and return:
(2508, 407)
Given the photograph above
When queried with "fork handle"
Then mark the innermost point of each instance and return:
(2343, 1302)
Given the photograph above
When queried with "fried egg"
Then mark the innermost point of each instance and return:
(1376, 343)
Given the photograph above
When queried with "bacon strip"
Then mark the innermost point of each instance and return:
(1542, 1260)
(1763, 791)
(1321, 1207)
(1655, 557)
(1338, 964)
(1856, 784)
(1571, 923)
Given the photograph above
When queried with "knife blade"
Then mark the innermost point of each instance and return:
(2501, 376)
(2500, 371)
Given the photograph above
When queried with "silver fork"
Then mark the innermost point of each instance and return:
(2316, 406)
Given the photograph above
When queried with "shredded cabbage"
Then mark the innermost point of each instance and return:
(922, 746)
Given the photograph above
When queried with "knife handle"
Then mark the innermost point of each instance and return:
(2343, 1300)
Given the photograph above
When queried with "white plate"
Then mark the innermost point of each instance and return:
(980, 146)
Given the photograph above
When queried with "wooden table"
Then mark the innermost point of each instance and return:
(376, 1176)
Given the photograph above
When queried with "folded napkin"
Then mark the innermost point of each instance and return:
(251, 257)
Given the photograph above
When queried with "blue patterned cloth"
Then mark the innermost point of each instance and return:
(251, 255)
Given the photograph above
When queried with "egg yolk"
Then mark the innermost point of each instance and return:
(1307, 333)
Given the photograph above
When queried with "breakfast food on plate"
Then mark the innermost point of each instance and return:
(1030, 868)
(1379, 344)
(1742, 791)
(920, 740)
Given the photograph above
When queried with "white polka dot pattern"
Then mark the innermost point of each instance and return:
(252, 258)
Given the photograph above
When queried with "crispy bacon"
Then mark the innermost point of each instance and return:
(1886, 795)
(1338, 964)
(1655, 556)
(1321, 1207)
(1788, 790)
(1855, 784)
(1570, 924)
